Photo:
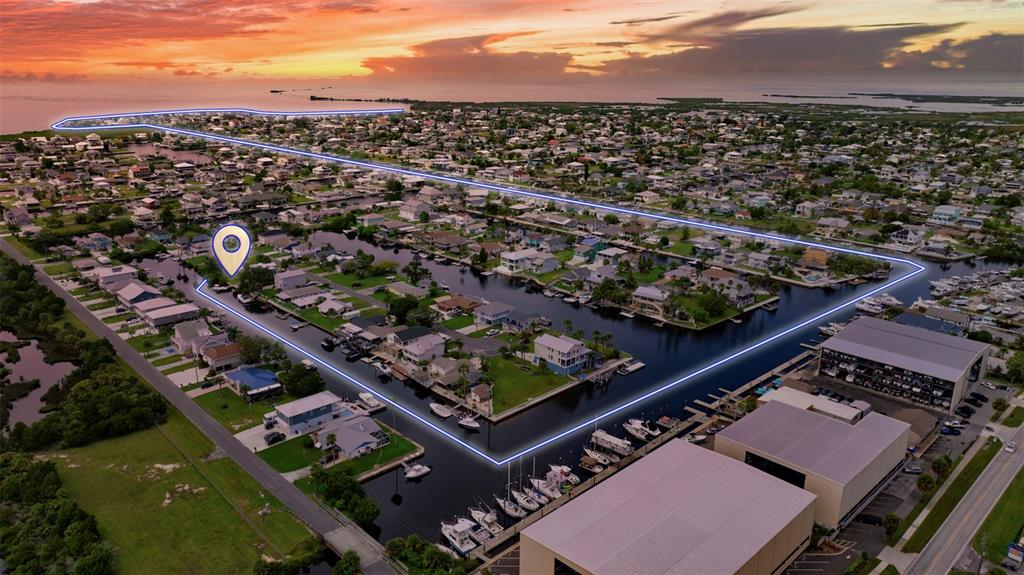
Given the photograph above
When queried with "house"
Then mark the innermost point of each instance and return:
(456, 305)
(493, 313)
(562, 354)
(807, 209)
(351, 436)
(815, 258)
(135, 292)
(529, 260)
(94, 242)
(190, 338)
(830, 227)
(253, 381)
(479, 398)
(115, 278)
(945, 215)
(649, 299)
(224, 356)
(906, 239)
(647, 197)
(411, 210)
(17, 216)
(290, 279)
(312, 412)
(418, 344)
(170, 314)
(610, 256)
(371, 219)
(588, 247)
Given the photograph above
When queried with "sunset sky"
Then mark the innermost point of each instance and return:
(501, 41)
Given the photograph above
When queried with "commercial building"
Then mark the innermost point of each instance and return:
(682, 509)
(851, 413)
(843, 464)
(902, 361)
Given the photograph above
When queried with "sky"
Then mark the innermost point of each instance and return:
(502, 41)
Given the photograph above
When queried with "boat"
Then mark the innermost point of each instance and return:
(628, 314)
(770, 306)
(629, 366)
(463, 268)
(696, 438)
(642, 424)
(458, 535)
(736, 320)
(832, 328)
(563, 473)
(244, 299)
(597, 456)
(416, 470)
(443, 286)
(668, 422)
(440, 410)
(488, 518)
(469, 422)
(584, 298)
(369, 401)
(549, 293)
(479, 533)
(545, 487)
(355, 355)
(571, 299)
(636, 431)
(616, 445)
(525, 501)
(510, 508)
(590, 465)
(537, 495)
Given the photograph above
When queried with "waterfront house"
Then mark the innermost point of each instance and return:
(225, 356)
(493, 313)
(288, 280)
(563, 354)
(311, 412)
(649, 299)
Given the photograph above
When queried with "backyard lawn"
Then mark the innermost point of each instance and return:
(291, 455)
(58, 269)
(516, 382)
(353, 281)
(154, 495)
(179, 368)
(149, 342)
(233, 412)
(313, 316)
(102, 305)
(458, 322)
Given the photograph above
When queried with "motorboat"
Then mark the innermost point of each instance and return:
(551, 491)
(597, 456)
(549, 293)
(486, 517)
(369, 401)
(636, 431)
(479, 533)
(616, 445)
(564, 473)
(510, 508)
(696, 438)
(668, 422)
(440, 410)
(355, 355)
(642, 424)
(469, 421)
(416, 470)
(525, 501)
(537, 495)
(590, 465)
(457, 535)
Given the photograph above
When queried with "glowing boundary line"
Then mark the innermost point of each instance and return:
(917, 268)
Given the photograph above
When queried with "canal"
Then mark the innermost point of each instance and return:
(460, 479)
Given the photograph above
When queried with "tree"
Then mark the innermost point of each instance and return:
(416, 272)
(400, 307)
(663, 242)
(892, 522)
(252, 280)
(942, 466)
(300, 381)
(1000, 404)
(611, 219)
(424, 217)
(925, 483)
(348, 564)
(1015, 368)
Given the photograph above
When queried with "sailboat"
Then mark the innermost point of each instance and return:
(537, 495)
(510, 508)
(597, 456)
(525, 500)
(546, 488)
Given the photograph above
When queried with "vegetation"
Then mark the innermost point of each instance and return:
(1003, 525)
(339, 489)
(291, 455)
(1015, 418)
(516, 382)
(423, 558)
(300, 381)
(41, 529)
(399, 447)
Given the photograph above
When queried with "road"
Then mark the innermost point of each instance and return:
(340, 534)
(955, 534)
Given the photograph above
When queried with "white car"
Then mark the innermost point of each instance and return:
(954, 424)
(988, 385)
(1011, 447)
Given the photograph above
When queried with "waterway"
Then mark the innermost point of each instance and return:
(459, 478)
(32, 365)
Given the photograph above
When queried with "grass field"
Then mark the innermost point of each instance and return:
(956, 490)
(233, 412)
(313, 316)
(149, 342)
(167, 360)
(514, 386)
(1015, 418)
(118, 317)
(107, 303)
(458, 322)
(1003, 524)
(180, 368)
(293, 454)
(155, 497)
(24, 248)
(57, 269)
(352, 281)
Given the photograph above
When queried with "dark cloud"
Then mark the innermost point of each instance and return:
(639, 21)
(8, 76)
(889, 25)
(990, 53)
(470, 57)
(717, 23)
(620, 44)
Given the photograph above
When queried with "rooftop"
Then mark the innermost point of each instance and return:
(680, 510)
(813, 442)
(308, 403)
(912, 348)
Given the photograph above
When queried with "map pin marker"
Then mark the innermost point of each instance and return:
(231, 246)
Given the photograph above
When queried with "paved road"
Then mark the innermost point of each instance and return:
(339, 534)
(952, 539)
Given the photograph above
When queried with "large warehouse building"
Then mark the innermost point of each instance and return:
(841, 463)
(680, 510)
(910, 363)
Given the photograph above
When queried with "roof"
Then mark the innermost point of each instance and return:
(308, 403)
(494, 308)
(680, 510)
(171, 310)
(411, 333)
(561, 344)
(906, 347)
(223, 351)
(813, 442)
(252, 377)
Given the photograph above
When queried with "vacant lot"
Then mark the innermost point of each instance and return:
(516, 382)
(235, 413)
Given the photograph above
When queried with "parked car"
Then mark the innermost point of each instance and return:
(274, 437)
(1011, 447)
(964, 411)
(979, 397)
(868, 519)
(913, 468)
(972, 401)
(988, 385)
(954, 423)
(949, 431)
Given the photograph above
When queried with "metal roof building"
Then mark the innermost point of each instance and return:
(680, 510)
(839, 462)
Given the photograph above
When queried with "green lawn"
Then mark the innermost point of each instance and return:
(890, 570)
(102, 305)
(149, 342)
(650, 276)
(513, 385)
(58, 269)
(180, 368)
(399, 447)
(481, 332)
(291, 455)
(24, 248)
(372, 311)
(1015, 418)
(154, 496)
(352, 281)
(1003, 524)
(550, 277)
(458, 322)
(681, 248)
(313, 316)
(167, 360)
(233, 412)
(956, 490)
(118, 317)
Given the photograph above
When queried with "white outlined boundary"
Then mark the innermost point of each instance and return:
(62, 125)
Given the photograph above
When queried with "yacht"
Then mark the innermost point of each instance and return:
(590, 465)
(616, 445)
(537, 495)
(469, 421)
(298, 325)
(597, 456)
(458, 535)
(415, 471)
(486, 517)
(636, 431)
(549, 293)
(551, 491)
(369, 401)
(329, 343)
(668, 422)
(510, 508)
(564, 473)
(440, 410)
(525, 501)
(479, 533)
(642, 424)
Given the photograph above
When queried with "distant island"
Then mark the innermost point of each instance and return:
(932, 98)
(804, 96)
